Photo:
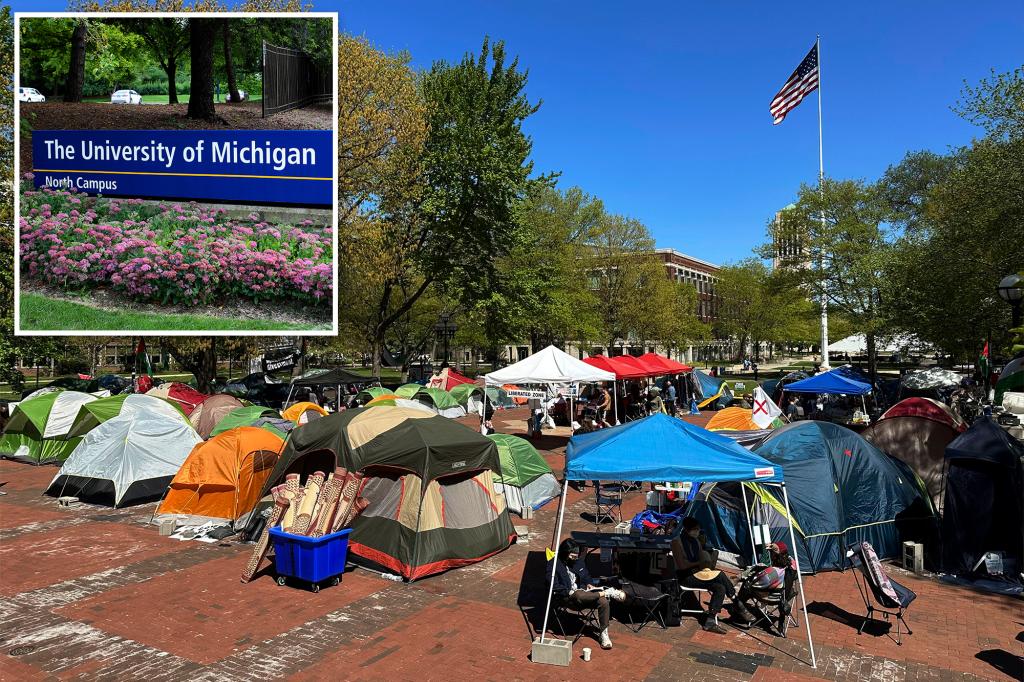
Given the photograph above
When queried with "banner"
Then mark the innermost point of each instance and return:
(248, 166)
(286, 362)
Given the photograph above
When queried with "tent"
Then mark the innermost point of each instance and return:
(447, 379)
(663, 364)
(774, 387)
(736, 419)
(367, 394)
(188, 398)
(842, 490)
(932, 378)
(392, 400)
(433, 505)
(662, 448)
(832, 382)
(304, 412)
(984, 499)
(211, 411)
(472, 397)
(248, 415)
(36, 432)
(92, 414)
(548, 366)
(525, 479)
(128, 458)
(916, 431)
(331, 378)
(408, 390)
(223, 477)
(710, 392)
(441, 401)
(1010, 379)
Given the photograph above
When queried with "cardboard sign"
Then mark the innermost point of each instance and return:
(256, 166)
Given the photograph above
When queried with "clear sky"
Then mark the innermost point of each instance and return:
(661, 110)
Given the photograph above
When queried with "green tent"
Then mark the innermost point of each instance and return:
(92, 414)
(37, 432)
(440, 400)
(367, 394)
(249, 416)
(408, 390)
(429, 481)
(1011, 379)
(471, 397)
(525, 479)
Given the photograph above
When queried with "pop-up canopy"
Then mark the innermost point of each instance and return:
(620, 369)
(831, 382)
(663, 365)
(548, 366)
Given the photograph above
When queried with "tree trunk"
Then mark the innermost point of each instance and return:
(76, 67)
(201, 39)
(172, 76)
(872, 357)
(375, 350)
(229, 64)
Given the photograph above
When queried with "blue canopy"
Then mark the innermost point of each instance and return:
(829, 382)
(663, 448)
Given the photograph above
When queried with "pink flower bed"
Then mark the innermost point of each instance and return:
(170, 253)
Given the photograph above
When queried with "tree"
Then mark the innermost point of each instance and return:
(996, 104)
(199, 355)
(201, 35)
(229, 64)
(620, 253)
(167, 39)
(76, 66)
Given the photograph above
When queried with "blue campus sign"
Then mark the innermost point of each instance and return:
(256, 166)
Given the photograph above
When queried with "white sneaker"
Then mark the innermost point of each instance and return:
(606, 641)
(615, 594)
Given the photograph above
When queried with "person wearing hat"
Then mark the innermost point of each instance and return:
(695, 567)
(575, 586)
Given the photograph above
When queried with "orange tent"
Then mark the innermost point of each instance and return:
(732, 419)
(298, 412)
(223, 477)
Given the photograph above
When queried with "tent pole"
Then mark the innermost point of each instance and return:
(799, 578)
(483, 413)
(753, 545)
(554, 547)
(615, 398)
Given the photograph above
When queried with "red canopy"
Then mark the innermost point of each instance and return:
(620, 365)
(662, 364)
(926, 408)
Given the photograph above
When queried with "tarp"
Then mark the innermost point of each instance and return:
(832, 382)
(128, 458)
(332, 377)
(223, 477)
(934, 377)
(92, 414)
(37, 430)
(525, 478)
(188, 398)
(663, 448)
(247, 416)
(1010, 379)
(548, 366)
(984, 499)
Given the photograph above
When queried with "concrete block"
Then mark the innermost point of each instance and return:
(522, 531)
(67, 501)
(552, 651)
(527, 512)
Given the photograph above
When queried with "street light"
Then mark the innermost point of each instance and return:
(1010, 289)
(446, 329)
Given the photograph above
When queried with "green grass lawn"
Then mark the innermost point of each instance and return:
(39, 313)
(162, 99)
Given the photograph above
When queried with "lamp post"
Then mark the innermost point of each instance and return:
(1011, 290)
(445, 329)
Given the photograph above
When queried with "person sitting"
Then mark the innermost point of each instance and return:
(576, 588)
(695, 567)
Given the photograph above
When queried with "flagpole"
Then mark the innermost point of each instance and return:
(821, 188)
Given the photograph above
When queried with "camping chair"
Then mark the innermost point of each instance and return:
(648, 602)
(609, 504)
(893, 598)
(773, 606)
(585, 615)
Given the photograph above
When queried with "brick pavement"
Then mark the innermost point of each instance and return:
(94, 593)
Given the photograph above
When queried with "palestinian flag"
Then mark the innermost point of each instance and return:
(983, 364)
(142, 364)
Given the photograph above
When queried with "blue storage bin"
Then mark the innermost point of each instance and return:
(309, 559)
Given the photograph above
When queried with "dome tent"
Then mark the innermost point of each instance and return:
(736, 419)
(303, 413)
(92, 414)
(842, 490)
(37, 431)
(441, 401)
(525, 479)
(249, 415)
(429, 481)
(127, 459)
(211, 411)
(184, 395)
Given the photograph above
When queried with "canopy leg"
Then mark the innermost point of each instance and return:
(750, 527)
(554, 547)
(799, 578)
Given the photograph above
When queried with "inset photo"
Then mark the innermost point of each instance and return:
(176, 173)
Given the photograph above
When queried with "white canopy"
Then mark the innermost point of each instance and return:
(858, 344)
(143, 448)
(549, 366)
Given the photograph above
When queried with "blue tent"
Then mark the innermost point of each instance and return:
(663, 448)
(834, 382)
(710, 387)
(842, 490)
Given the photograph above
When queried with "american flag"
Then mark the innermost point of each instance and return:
(803, 82)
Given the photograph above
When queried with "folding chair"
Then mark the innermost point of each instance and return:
(586, 615)
(649, 602)
(609, 504)
(772, 606)
(887, 593)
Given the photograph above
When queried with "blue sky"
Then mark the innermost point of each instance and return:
(662, 110)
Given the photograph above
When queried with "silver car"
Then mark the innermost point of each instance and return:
(126, 97)
(30, 95)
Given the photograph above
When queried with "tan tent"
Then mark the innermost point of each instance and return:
(211, 411)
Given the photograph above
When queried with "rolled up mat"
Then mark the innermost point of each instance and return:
(329, 501)
(281, 505)
(348, 497)
(293, 491)
(313, 484)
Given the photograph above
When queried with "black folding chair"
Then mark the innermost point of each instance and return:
(562, 608)
(609, 504)
(771, 606)
(649, 603)
(893, 598)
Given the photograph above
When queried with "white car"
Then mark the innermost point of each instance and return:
(126, 97)
(30, 95)
(241, 94)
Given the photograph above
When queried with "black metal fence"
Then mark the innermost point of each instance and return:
(292, 79)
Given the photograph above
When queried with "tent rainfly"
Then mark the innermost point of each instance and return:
(37, 432)
(526, 479)
(94, 413)
(662, 448)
